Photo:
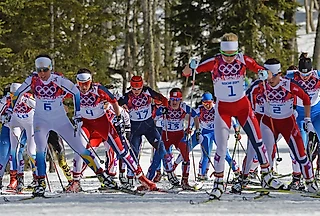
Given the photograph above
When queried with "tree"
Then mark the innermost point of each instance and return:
(149, 42)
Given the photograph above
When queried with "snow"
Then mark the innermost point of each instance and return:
(168, 204)
(161, 204)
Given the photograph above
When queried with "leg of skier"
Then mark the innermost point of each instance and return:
(4, 150)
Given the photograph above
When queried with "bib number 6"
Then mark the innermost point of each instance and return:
(47, 106)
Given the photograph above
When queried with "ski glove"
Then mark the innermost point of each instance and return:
(309, 125)
(119, 125)
(193, 64)
(164, 110)
(237, 135)
(295, 114)
(263, 74)
(199, 136)
(7, 116)
(77, 123)
(127, 129)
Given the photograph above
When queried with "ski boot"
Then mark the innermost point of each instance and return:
(218, 188)
(33, 183)
(312, 186)
(107, 181)
(148, 184)
(13, 180)
(236, 176)
(253, 174)
(173, 178)
(129, 184)
(296, 183)
(240, 183)
(185, 183)
(202, 177)
(20, 180)
(40, 188)
(74, 187)
(268, 181)
(122, 178)
(158, 176)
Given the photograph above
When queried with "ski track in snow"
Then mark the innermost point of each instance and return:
(161, 203)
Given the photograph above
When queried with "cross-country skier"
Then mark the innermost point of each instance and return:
(228, 70)
(206, 113)
(173, 132)
(21, 119)
(92, 99)
(279, 94)
(49, 90)
(138, 102)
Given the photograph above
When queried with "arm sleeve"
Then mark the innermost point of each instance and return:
(25, 87)
(3, 105)
(107, 95)
(69, 87)
(206, 65)
(235, 123)
(126, 117)
(123, 100)
(252, 65)
(252, 91)
(158, 96)
(31, 102)
(297, 90)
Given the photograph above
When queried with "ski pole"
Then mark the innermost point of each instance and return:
(55, 167)
(232, 158)
(88, 143)
(166, 126)
(49, 186)
(195, 62)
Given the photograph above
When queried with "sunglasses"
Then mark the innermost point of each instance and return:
(136, 89)
(274, 75)
(175, 99)
(84, 83)
(207, 103)
(306, 74)
(43, 69)
(229, 54)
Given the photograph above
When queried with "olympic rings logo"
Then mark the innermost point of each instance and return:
(260, 99)
(229, 69)
(21, 108)
(276, 95)
(208, 116)
(140, 101)
(46, 90)
(87, 100)
(309, 84)
(175, 114)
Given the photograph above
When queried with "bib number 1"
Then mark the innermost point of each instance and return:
(231, 91)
